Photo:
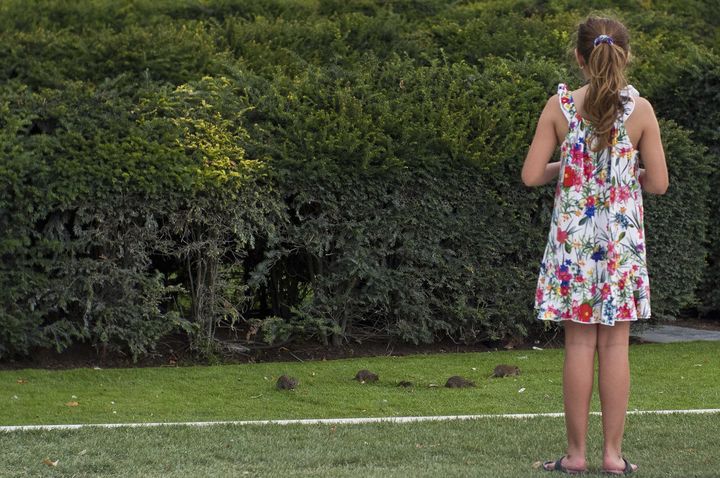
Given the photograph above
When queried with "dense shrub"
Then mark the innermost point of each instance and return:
(100, 190)
(691, 100)
(676, 261)
(342, 171)
(73, 238)
(353, 151)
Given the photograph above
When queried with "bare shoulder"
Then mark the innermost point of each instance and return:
(553, 109)
(643, 107)
(642, 119)
(553, 100)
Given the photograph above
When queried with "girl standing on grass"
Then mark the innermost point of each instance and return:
(593, 276)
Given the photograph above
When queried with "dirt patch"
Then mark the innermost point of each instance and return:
(174, 351)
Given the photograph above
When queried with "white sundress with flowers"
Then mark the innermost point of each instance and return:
(594, 268)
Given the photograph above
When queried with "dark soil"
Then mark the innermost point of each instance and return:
(174, 351)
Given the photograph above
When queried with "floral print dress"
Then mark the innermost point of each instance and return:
(594, 268)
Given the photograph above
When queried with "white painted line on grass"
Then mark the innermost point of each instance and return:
(339, 421)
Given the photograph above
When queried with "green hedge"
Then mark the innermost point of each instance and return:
(692, 101)
(260, 171)
(118, 210)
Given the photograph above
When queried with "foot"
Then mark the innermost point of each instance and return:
(564, 465)
(621, 468)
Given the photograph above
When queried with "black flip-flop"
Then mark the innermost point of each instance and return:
(558, 466)
(627, 471)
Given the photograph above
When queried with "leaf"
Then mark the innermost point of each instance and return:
(49, 462)
(568, 247)
(21, 381)
(620, 237)
(583, 220)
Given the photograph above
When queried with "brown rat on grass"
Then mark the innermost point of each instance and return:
(457, 381)
(505, 370)
(366, 376)
(286, 383)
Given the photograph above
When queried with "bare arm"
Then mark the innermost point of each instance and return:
(536, 170)
(654, 176)
(552, 171)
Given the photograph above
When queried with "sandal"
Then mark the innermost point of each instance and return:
(627, 471)
(558, 466)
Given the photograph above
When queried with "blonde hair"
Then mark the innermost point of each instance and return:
(605, 61)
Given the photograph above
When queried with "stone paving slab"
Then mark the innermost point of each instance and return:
(674, 333)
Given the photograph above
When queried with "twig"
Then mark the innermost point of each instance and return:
(552, 339)
(288, 351)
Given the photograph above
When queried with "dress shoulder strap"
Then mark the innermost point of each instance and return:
(567, 105)
(627, 94)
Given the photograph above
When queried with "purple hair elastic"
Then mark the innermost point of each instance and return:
(603, 39)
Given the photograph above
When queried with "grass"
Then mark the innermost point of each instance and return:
(664, 446)
(669, 376)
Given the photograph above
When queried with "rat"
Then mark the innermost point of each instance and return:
(366, 376)
(505, 370)
(457, 381)
(286, 383)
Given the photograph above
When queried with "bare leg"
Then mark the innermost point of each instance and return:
(578, 376)
(614, 382)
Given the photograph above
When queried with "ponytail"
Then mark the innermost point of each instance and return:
(603, 43)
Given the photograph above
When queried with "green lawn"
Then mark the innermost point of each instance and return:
(664, 446)
(671, 376)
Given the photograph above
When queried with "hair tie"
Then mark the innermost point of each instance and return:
(603, 39)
